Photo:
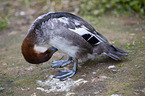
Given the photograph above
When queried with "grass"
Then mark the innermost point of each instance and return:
(3, 24)
(4, 21)
(27, 3)
(19, 78)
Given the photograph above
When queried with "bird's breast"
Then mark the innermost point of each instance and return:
(64, 45)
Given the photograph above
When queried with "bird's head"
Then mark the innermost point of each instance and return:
(34, 54)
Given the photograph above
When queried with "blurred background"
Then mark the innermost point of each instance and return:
(16, 10)
(122, 22)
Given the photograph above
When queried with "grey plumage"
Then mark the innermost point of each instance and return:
(64, 24)
(69, 34)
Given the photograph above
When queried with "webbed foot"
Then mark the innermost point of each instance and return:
(64, 74)
(61, 63)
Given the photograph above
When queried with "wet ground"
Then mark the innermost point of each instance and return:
(100, 77)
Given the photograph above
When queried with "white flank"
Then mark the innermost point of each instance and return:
(40, 49)
(64, 46)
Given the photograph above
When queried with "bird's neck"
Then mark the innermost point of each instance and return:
(30, 53)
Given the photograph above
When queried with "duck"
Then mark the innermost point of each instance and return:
(67, 33)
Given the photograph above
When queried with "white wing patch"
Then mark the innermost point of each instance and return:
(83, 31)
(80, 31)
(87, 35)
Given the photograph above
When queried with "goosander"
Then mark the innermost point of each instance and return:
(69, 34)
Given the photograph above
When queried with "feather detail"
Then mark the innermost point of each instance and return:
(50, 23)
(73, 23)
(69, 34)
(116, 53)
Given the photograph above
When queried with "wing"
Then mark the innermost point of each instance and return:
(81, 27)
(75, 24)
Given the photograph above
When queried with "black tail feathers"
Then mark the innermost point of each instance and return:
(116, 53)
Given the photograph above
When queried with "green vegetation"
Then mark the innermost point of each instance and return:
(4, 22)
(130, 45)
(98, 7)
(111, 92)
(90, 7)
(27, 3)
(1, 89)
(18, 78)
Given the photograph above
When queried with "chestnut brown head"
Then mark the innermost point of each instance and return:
(34, 56)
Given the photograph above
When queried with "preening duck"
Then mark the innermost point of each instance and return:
(69, 34)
